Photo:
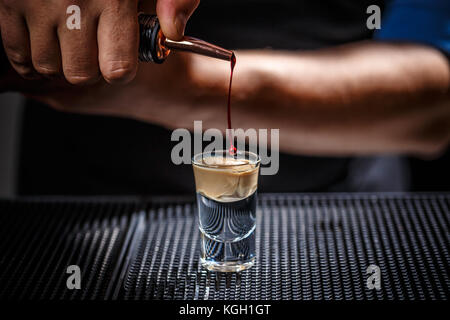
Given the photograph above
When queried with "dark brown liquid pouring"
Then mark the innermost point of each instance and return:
(232, 150)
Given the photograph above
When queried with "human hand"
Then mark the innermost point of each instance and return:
(39, 44)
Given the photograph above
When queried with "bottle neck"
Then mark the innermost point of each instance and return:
(155, 47)
(151, 44)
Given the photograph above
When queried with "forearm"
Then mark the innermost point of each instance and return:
(358, 99)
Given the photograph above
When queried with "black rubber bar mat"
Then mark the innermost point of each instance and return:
(309, 246)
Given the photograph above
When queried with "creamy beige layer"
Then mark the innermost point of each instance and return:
(226, 179)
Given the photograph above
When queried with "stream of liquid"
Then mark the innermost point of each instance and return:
(232, 150)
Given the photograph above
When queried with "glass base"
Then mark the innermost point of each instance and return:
(232, 266)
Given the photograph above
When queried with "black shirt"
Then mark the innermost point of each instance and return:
(86, 154)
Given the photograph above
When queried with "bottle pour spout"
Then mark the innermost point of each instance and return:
(155, 47)
(198, 46)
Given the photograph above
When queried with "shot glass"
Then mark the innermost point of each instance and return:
(226, 187)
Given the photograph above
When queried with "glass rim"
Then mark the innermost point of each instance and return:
(226, 152)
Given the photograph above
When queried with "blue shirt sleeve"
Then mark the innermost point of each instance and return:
(420, 21)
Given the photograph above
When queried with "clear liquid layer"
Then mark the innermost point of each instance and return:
(227, 233)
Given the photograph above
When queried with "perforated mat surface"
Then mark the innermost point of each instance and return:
(309, 246)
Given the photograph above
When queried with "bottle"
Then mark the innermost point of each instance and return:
(155, 47)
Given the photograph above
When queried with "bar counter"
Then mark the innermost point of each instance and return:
(321, 246)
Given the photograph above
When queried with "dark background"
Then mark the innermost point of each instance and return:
(255, 31)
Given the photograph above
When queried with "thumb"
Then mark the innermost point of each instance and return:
(173, 15)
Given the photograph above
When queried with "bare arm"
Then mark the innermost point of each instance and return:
(356, 99)
(362, 98)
